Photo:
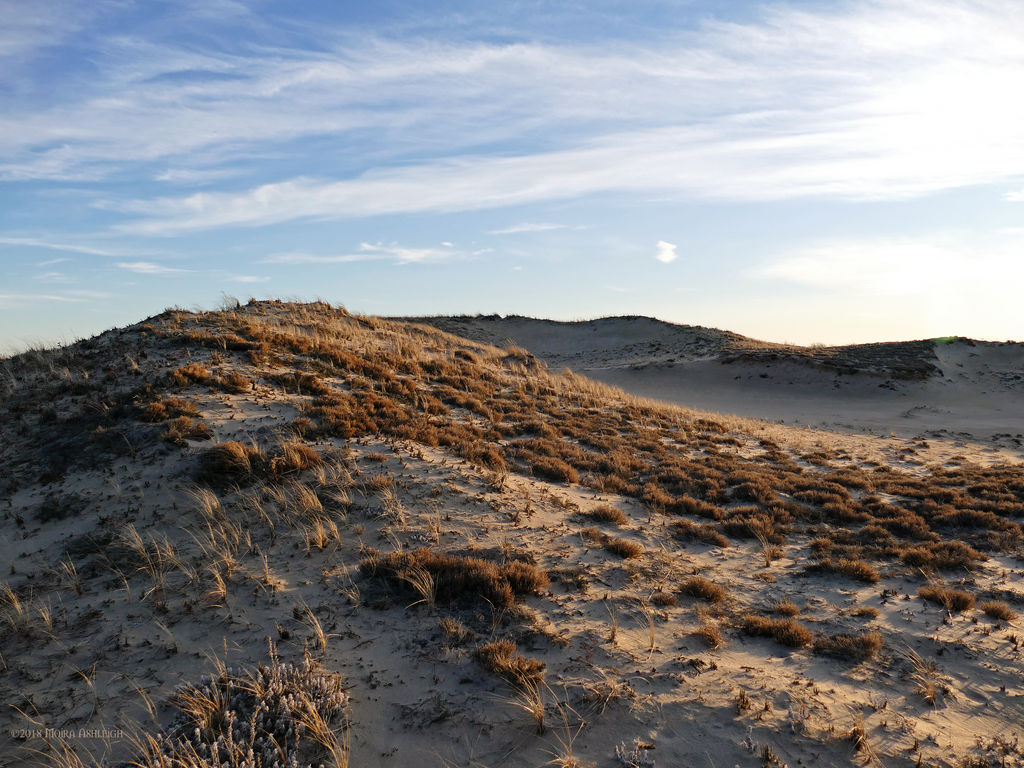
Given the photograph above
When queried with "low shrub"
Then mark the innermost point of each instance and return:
(554, 469)
(234, 382)
(291, 458)
(998, 610)
(606, 513)
(500, 657)
(624, 548)
(699, 587)
(943, 555)
(228, 463)
(684, 530)
(855, 647)
(788, 632)
(855, 569)
(182, 429)
(786, 608)
(458, 578)
(711, 635)
(948, 598)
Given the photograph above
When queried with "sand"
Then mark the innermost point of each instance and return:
(624, 673)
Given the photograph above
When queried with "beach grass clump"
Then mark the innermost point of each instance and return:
(998, 610)
(787, 631)
(606, 513)
(457, 578)
(853, 568)
(684, 530)
(850, 647)
(704, 589)
(949, 598)
(280, 713)
(228, 463)
(501, 658)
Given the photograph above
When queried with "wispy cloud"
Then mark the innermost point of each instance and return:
(149, 268)
(884, 99)
(31, 242)
(1015, 197)
(368, 252)
(20, 299)
(53, 277)
(516, 229)
(665, 252)
(249, 279)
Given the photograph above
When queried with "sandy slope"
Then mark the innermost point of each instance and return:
(89, 649)
(971, 391)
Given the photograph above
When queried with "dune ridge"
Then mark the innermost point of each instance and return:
(470, 559)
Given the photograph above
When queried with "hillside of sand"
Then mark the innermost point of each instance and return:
(291, 531)
(957, 388)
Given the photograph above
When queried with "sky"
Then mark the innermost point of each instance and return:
(810, 172)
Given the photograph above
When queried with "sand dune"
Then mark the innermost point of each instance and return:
(446, 554)
(957, 388)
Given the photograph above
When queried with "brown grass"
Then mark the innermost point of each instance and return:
(786, 608)
(711, 635)
(998, 610)
(703, 532)
(948, 598)
(460, 578)
(699, 587)
(606, 513)
(182, 429)
(500, 657)
(624, 548)
(853, 568)
(228, 463)
(788, 632)
(853, 647)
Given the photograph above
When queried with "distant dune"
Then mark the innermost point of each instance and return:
(954, 387)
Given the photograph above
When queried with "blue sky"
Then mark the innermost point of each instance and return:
(809, 172)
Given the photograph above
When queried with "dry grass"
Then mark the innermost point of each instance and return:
(711, 635)
(786, 608)
(854, 569)
(788, 632)
(501, 658)
(948, 598)
(457, 578)
(998, 610)
(214, 721)
(394, 394)
(703, 532)
(702, 588)
(852, 647)
(606, 513)
(624, 548)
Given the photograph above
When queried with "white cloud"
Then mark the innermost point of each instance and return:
(194, 176)
(35, 243)
(53, 277)
(249, 279)
(665, 252)
(368, 252)
(516, 229)
(1015, 197)
(19, 299)
(882, 99)
(149, 268)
